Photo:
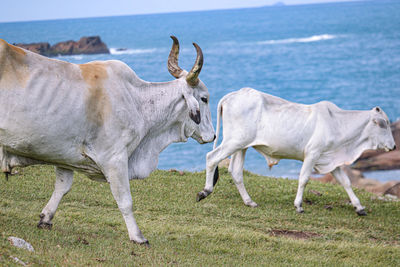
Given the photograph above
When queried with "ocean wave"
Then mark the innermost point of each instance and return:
(66, 57)
(314, 38)
(123, 51)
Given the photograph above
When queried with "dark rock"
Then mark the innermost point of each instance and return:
(40, 48)
(86, 45)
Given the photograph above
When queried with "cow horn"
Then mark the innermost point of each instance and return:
(193, 77)
(173, 67)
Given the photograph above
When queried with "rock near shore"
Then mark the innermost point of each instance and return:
(358, 180)
(86, 45)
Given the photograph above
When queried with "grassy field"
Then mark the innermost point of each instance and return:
(220, 230)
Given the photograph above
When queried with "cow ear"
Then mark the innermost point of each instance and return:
(194, 108)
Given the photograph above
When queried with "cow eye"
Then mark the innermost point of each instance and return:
(381, 123)
(204, 99)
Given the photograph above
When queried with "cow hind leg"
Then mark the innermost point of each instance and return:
(236, 170)
(344, 180)
(64, 178)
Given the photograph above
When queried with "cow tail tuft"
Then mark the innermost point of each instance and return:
(219, 116)
(216, 176)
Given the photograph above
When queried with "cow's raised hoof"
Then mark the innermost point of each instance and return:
(361, 212)
(251, 204)
(202, 195)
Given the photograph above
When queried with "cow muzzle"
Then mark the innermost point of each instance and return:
(387, 149)
(203, 139)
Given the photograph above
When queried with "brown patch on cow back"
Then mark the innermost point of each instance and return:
(17, 50)
(98, 106)
(14, 72)
(3, 43)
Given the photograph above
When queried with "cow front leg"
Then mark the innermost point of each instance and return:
(62, 186)
(212, 159)
(305, 173)
(344, 180)
(117, 176)
(236, 170)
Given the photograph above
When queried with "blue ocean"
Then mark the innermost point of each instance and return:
(347, 53)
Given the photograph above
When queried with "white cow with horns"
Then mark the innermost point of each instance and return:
(321, 135)
(97, 118)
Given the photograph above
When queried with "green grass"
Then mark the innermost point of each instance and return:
(220, 230)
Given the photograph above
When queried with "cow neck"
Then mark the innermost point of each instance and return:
(158, 103)
(353, 132)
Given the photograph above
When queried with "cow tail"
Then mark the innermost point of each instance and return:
(219, 117)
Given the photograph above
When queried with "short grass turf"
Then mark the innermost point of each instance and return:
(88, 228)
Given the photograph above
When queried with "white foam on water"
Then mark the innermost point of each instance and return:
(314, 38)
(119, 51)
(74, 57)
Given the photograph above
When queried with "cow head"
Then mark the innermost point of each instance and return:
(379, 130)
(195, 94)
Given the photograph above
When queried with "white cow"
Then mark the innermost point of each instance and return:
(321, 135)
(97, 118)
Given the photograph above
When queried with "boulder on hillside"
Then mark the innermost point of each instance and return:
(86, 45)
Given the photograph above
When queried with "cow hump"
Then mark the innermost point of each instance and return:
(98, 105)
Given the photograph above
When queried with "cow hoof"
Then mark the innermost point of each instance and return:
(201, 195)
(45, 225)
(300, 210)
(361, 213)
(145, 243)
(251, 204)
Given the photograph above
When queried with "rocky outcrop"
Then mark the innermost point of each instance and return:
(86, 45)
(358, 180)
(384, 161)
(379, 160)
(40, 48)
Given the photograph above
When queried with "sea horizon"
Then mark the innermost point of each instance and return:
(276, 4)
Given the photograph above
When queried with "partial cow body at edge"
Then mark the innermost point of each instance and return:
(321, 135)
